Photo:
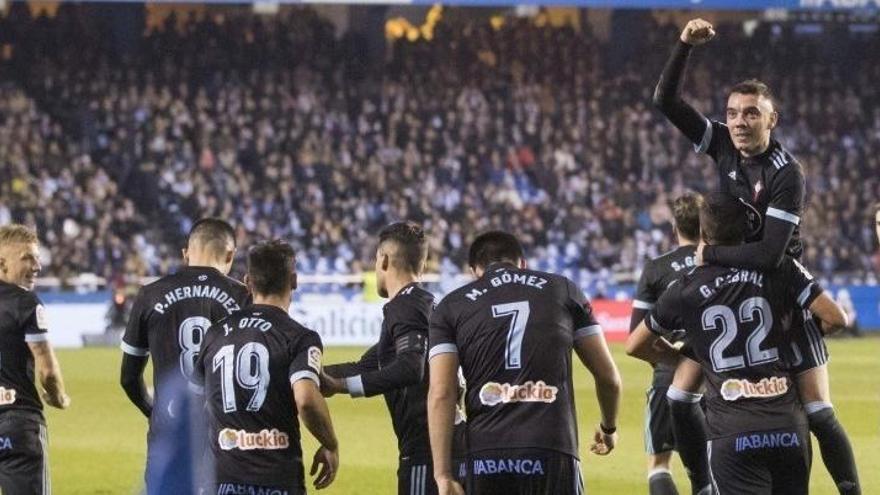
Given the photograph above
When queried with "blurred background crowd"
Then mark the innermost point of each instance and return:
(282, 126)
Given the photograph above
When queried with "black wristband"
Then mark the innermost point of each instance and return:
(607, 431)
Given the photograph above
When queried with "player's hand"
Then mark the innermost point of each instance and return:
(603, 443)
(448, 486)
(328, 461)
(697, 32)
(331, 386)
(61, 402)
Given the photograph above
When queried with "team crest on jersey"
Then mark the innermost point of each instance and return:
(7, 396)
(42, 320)
(735, 389)
(493, 393)
(732, 175)
(758, 188)
(315, 358)
(230, 439)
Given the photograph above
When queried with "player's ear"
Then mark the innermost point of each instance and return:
(774, 119)
(230, 256)
(293, 281)
(184, 254)
(523, 264)
(246, 280)
(386, 262)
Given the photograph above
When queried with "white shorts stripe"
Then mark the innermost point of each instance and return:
(412, 480)
(711, 473)
(44, 441)
(783, 215)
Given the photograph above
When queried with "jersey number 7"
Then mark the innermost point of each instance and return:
(519, 311)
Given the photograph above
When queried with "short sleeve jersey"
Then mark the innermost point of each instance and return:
(170, 316)
(22, 320)
(247, 366)
(514, 331)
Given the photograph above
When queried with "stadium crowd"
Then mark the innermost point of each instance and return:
(273, 123)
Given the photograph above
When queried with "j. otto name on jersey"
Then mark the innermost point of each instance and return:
(273, 439)
(7, 396)
(735, 389)
(493, 393)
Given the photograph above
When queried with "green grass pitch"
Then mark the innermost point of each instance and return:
(98, 445)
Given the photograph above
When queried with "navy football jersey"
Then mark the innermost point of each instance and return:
(22, 320)
(658, 274)
(169, 319)
(514, 331)
(771, 184)
(247, 366)
(735, 321)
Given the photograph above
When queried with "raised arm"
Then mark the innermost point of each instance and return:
(667, 94)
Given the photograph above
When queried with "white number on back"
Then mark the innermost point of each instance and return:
(748, 311)
(519, 311)
(189, 336)
(249, 369)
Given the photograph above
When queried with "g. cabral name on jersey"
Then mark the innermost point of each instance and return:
(205, 291)
(273, 439)
(734, 389)
(738, 276)
(493, 393)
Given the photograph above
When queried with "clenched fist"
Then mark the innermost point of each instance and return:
(697, 32)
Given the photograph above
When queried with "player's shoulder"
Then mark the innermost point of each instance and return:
(413, 297)
(22, 299)
(785, 163)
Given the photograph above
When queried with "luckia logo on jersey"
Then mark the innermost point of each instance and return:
(273, 439)
(493, 393)
(735, 389)
(7, 396)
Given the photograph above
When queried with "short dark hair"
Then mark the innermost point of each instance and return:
(686, 212)
(411, 243)
(494, 246)
(271, 267)
(212, 233)
(755, 87)
(723, 219)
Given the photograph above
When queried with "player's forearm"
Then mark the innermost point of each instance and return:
(763, 255)
(132, 381)
(667, 95)
(406, 370)
(608, 393)
(368, 362)
(441, 419)
(316, 416)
